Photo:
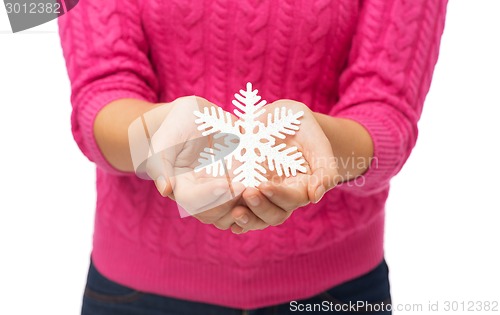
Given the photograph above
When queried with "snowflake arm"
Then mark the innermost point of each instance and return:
(249, 104)
(251, 173)
(287, 161)
(215, 120)
(218, 160)
(284, 122)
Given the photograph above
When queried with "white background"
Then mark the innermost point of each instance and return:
(442, 215)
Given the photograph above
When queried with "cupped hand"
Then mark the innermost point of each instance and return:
(274, 200)
(175, 148)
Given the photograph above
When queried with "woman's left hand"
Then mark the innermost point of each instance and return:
(274, 201)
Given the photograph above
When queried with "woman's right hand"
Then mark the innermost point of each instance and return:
(175, 145)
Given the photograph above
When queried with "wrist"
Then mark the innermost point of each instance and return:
(111, 127)
(351, 144)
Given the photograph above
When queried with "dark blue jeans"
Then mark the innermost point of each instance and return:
(105, 297)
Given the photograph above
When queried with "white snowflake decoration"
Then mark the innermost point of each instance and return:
(257, 141)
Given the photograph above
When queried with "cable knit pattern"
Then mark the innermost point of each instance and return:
(369, 60)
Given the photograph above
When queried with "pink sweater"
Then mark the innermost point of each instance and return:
(370, 61)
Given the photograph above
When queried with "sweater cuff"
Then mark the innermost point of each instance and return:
(83, 124)
(389, 151)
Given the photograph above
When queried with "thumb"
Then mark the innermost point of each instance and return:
(168, 141)
(164, 187)
(323, 178)
(161, 171)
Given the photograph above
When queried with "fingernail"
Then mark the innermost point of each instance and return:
(267, 193)
(242, 219)
(161, 184)
(318, 194)
(253, 201)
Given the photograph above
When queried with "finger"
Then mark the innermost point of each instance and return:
(324, 172)
(158, 169)
(166, 143)
(288, 195)
(225, 222)
(236, 229)
(263, 208)
(241, 216)
(207, 201)
(227, 198)
(320, 182)
(246, 219)
(164, 187)
(214, 215)
(323, 165)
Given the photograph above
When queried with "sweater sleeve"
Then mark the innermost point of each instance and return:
(106, 56)
(386, 80)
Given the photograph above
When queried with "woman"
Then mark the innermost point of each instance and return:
(360, 71)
